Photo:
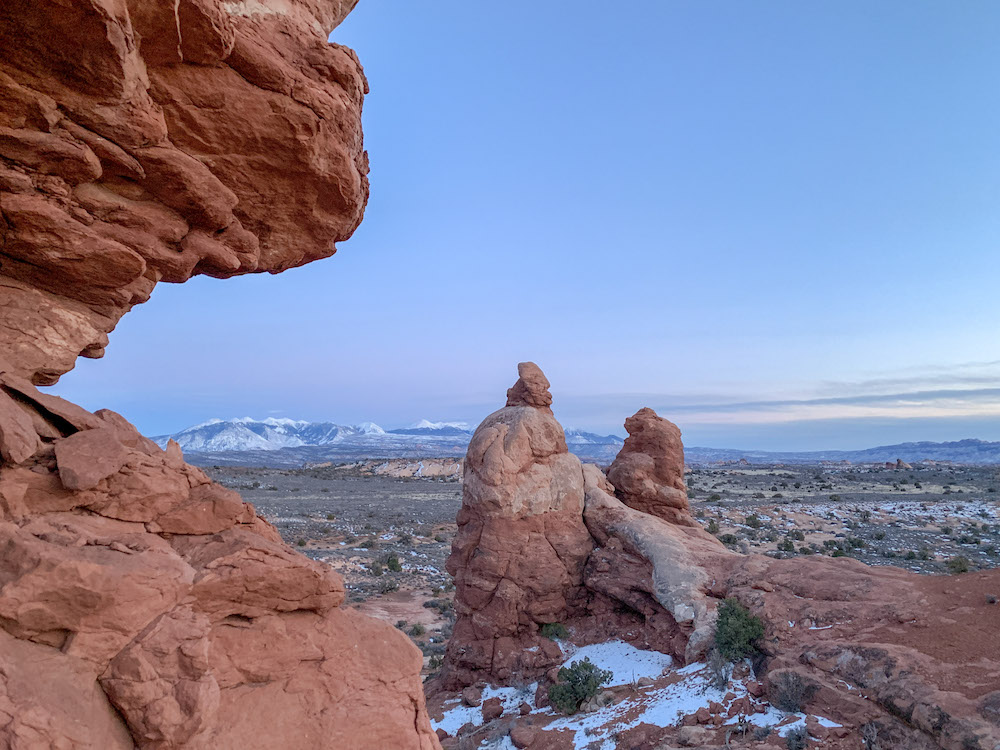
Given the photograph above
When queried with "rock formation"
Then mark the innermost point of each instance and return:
(521, 545)
(543, 539)
(141, 605)
(912, 660)
(648, 473)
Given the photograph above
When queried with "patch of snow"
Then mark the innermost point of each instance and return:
(459, 714)
(625, 661)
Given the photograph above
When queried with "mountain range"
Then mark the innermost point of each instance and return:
(289, 443)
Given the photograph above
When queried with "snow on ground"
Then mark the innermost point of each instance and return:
(457, 714)
(659, 706)
(625, 661)
(662, 706)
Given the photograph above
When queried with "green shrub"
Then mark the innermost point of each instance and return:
(577, 683)
(715, 497)
(729, 539)
(753, 521)
(376, 568)
(392, 563)
(958, 565)
(737, 632)
(554, 631)
(417, 629)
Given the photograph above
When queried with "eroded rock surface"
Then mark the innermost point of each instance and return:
(142, 605)
(896, 659)
(519, 553)
(152, 140)
(648, 473)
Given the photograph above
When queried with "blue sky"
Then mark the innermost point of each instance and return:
(774, 222)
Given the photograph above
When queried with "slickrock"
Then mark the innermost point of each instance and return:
(141, 605)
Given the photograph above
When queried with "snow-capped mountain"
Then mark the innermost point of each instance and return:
(579, 437)
(290, 442)
(248, 434)
(426, 427)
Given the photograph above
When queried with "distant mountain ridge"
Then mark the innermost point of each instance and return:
(283, 442)
(968, 451)
(288, 442)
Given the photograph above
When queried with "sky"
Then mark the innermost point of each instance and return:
(775, 223)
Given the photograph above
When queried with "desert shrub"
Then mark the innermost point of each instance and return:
(387, 586)
(441, 538)
(577, 683)
(789, 692)
(376, 568)
(713, 527)
(330, 517)
(302, 542)
(417, 629)
(737, 632)
(797, 739)
(797, 535)
(715, 497)
(959, 564)
(729, 539)
(855, 542)
(835, 498)
(393, 564)
(786, 545)
(879, 535)
(753, 521)
(554, 631)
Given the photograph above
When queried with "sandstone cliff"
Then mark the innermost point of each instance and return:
(141, 605)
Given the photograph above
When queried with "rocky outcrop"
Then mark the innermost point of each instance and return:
(150, 141)
(519, 553)
(141, 605)
(899, 659)
(648, 473)
(542, 539)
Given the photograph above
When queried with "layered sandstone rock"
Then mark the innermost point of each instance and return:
(543, 539)
(141, 605)
(900, 659)
(149, 141)
(521, 545)
(648, 473)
